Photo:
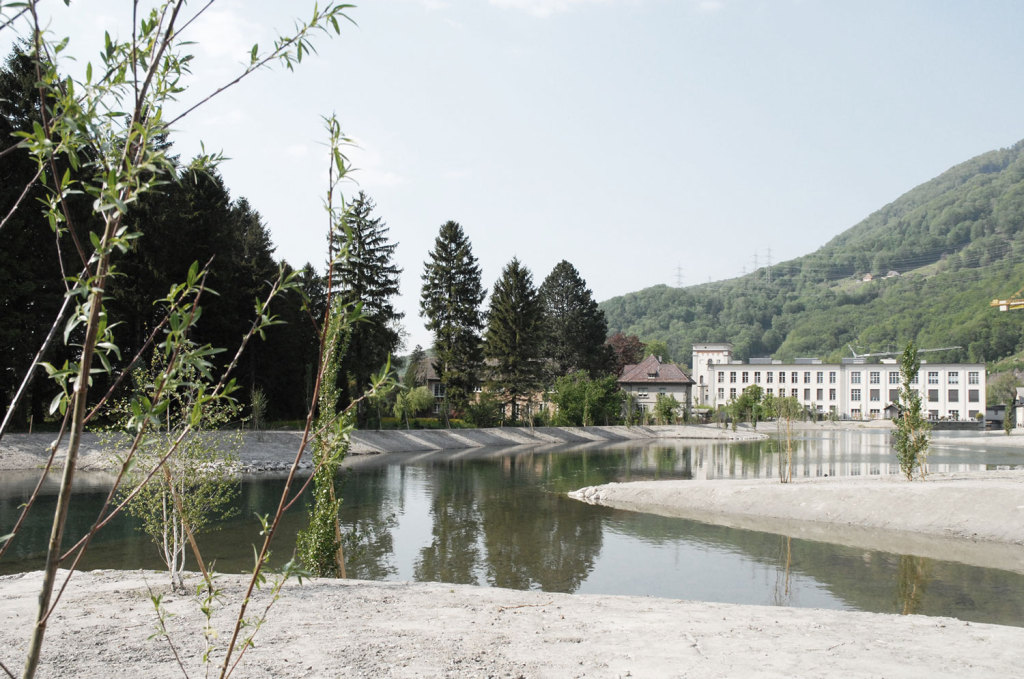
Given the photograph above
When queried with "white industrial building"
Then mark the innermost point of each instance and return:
(853, 389)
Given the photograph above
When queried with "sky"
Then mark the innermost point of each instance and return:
(647, 142)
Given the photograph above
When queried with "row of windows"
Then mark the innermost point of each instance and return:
(874, 377)
(952, 396)
(770, 377)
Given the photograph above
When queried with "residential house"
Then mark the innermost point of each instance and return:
(644, 381)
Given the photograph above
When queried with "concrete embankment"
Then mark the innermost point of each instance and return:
(275, 450)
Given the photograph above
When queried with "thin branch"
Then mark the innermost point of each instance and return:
(274, 54)
(142, 350)
(30, 374)
(5, 25)
(24, 193)
(163, 631)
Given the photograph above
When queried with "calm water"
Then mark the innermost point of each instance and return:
(501, 518)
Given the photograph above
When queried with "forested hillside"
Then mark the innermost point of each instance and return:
(955, 241)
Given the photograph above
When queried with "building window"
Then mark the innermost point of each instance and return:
(954, 396)
(933, 395)
(721, 376)
(641, 392)
(732, 377)
(832, 395)
(954, 377)
(438, 390)
(894, 395)
(757, 377)
(820, 395)
(894, 378)
(854, 378)
(770, 377)
(782, 377)
(875, 377)
(933, 377)
(721, 393)
(770, 391)
(794, 377)
(914, 380)
(972, 395)
(794, 392)
(820, 377)
(807, 377)
(832, 377)
(732, 394)
(954, 414)
(972, 378)
(875, 413)
(855, 394)
(746, 377)
(933, 414)
(807, 394)
(875, 395)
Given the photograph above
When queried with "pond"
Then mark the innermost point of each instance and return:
(501, 518)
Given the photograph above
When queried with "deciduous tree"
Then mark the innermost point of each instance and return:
(626, 350)
(583, 401)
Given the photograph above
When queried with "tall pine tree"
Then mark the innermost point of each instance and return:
(367, 276)
(575, 328)
(514, 338)
(450, 301)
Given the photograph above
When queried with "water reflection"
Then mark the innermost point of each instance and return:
(501, 518)
(913, 576)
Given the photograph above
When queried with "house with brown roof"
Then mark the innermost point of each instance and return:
(645, 380)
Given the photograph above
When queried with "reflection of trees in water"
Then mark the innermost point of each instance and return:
(536, 539)
(783, 593)
(453, 554)
(368, 518)
(912, 578)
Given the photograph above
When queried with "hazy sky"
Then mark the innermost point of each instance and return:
(645, 141)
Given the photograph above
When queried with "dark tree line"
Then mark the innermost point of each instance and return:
(527, 338)
(191, 219)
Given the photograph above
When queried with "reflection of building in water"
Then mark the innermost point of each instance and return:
(852, 389)
(840, 454)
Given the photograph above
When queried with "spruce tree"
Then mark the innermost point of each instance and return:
(366, 276)
(514, 338)
(450, 301)
(575, 328)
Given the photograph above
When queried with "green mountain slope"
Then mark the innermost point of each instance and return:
(956, 242)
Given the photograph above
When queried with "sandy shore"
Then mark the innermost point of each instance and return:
(972, 517)
(373, 629)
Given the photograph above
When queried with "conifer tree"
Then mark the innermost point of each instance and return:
(450, 301)
(575, 328)
(368, 277)
(514, 338)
